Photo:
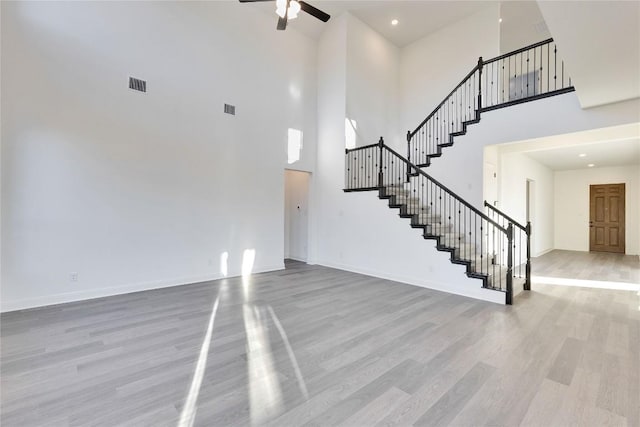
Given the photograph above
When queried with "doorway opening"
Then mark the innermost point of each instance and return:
(296, 215)
(530, 208)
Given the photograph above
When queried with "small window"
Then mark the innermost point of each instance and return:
(294, 145)
(350, 127)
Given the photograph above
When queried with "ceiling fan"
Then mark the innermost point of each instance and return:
(288, 9)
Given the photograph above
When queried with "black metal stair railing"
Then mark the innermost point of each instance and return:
(449, 119)
(521, 243)
(523, 75)
(526, 74)
(473, 238)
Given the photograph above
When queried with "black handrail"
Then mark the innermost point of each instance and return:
(511, 78)
(415, 168)
(517, 51)
(439, 184)
(363, 147)
(527, 233)
(483, 62)
(471, 236)
(516, 223)
(464, 80)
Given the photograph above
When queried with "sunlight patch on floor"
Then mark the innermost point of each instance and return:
(292, 356)
(188, 414)
(265, 394)
(599, 284)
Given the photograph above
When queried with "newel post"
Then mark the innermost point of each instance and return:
(380, 169)
(479, 84)
(509, 264)
(408, 151)
(527, 283)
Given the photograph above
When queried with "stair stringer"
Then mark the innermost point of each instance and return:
(423, 265)
(452, 136)
(494, 272)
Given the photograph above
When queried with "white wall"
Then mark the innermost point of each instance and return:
(572, 205)
(491, 177)
(296, 214)
(516, 169)
(135, 191)
(600, 42)
(522, 25)
(328, 181)
(432, 66)
(372, 84)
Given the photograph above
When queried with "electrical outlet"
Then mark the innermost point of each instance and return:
(73, 276)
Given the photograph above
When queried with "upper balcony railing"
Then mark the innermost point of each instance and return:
(523, 75)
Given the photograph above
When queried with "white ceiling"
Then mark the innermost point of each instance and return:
(416, 18)
(600, 154)
(600, 43)
(604, 147)
(598, 40)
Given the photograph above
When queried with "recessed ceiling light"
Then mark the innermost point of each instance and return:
(500, 20)
(582, 155)
(394, 22)
(590, 165)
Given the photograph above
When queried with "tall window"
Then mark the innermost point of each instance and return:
(350, 127)
(294, 145)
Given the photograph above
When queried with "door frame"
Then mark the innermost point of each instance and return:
(622, 215)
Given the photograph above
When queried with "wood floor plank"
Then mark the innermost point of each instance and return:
(376, 409)
(566, 362)
(545, 405)
(446, 408)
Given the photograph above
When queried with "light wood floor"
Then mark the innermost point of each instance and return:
(316, 346)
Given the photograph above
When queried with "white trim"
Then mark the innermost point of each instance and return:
(23, 304)
(475, 293)
(546, 251)
(296, 259)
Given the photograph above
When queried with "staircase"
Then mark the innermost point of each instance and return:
(492, 246)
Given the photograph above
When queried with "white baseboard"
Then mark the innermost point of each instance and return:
(543, 252)
(28, 303)
(297, 259)
(475, 293)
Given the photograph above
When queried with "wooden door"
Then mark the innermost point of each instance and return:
(606, 218)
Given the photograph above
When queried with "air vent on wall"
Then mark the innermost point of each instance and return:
(137, 84)
(230, 109)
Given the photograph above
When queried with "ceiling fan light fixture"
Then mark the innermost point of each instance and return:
(294, 9)
(289, 9)
(281, 8)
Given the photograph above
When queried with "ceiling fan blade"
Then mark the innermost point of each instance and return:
(282, 23)
(324, 17)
